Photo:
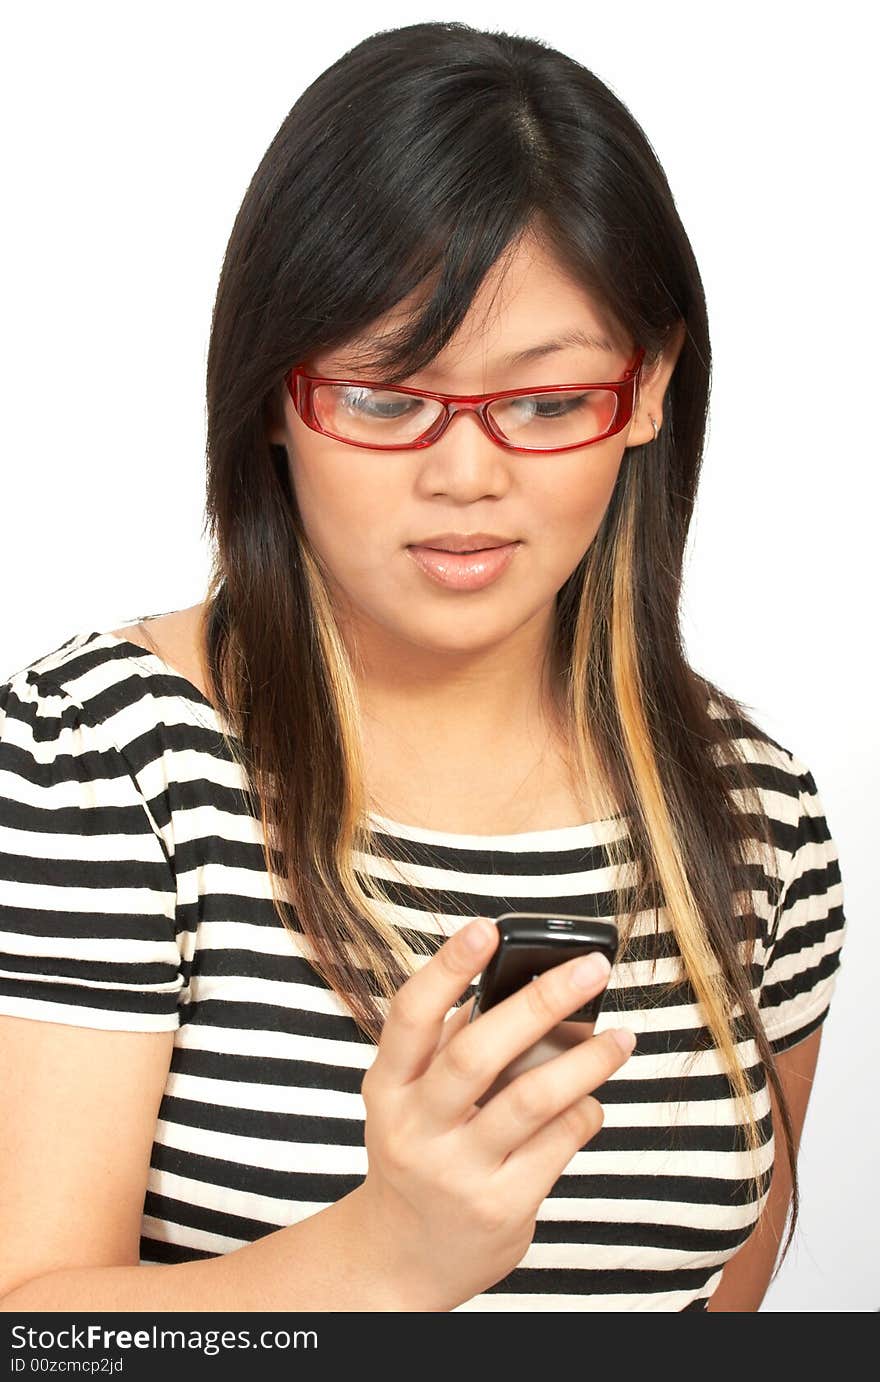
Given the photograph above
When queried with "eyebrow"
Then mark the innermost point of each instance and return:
(575, 337)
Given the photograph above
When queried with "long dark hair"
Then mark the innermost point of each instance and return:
(416, 161)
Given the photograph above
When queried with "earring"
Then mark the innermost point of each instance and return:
(655, 427)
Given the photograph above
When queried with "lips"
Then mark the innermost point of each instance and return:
(463, 542)
(464, 570)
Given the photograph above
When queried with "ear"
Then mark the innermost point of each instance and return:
(653, 384)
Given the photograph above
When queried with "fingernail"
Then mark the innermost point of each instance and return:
(626, 1040)
(476, 934)
(589, 971)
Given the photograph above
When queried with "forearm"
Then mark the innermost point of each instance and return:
(333, 1260)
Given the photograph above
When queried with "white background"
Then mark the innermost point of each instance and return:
(131, 133)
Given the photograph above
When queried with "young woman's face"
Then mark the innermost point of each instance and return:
(363, 509)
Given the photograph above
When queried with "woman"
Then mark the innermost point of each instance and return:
(242, 843)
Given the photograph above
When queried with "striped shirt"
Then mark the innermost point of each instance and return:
(134, 896)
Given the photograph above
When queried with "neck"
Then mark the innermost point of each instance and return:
(469, 702)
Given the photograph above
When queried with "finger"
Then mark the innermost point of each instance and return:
(542, 1160)
(534, 1099)
(474, 1056)
(414, 1021)
(459, 1018)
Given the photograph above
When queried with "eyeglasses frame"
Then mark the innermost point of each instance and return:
(300, 385)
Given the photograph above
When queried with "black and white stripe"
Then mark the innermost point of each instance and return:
(133, 896)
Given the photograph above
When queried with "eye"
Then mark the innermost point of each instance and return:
(383, 404)
(549, 406)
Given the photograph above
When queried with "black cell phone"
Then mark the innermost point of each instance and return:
(529, 944)
(532, 942)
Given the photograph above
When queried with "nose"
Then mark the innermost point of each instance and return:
(465, 464)
(477, 423)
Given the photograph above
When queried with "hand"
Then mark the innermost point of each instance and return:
(453, 1190)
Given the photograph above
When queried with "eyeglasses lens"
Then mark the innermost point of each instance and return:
(387, 417)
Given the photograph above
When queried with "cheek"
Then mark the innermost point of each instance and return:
(345, 512)
(573, 499)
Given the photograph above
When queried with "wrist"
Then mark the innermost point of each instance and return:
(399, 1282)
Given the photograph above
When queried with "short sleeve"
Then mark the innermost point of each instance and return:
(808, 927)
(87, 891)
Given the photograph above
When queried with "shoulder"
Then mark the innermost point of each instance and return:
(807, 859)
(779, 775)
(98, 709)
(66, 721)
(99, 683)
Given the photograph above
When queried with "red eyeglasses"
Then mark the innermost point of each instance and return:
(369, 413)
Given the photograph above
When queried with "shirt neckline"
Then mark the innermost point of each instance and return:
(563, 835)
